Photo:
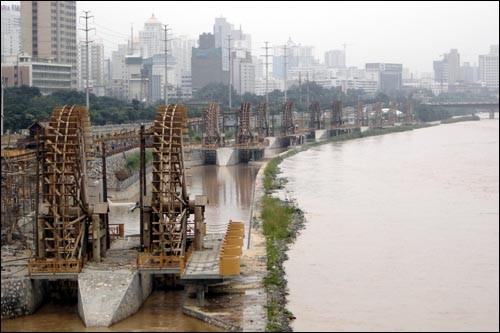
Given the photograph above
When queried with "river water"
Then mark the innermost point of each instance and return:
(402, 232)
(230, 191)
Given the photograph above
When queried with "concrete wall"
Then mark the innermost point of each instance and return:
(195, 158)
(113, 164)
(21, 296)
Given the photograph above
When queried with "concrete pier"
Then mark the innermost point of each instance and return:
(227, 156)
(106, 297)
(320, 135)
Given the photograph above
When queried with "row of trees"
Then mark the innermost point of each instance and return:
(23, 105)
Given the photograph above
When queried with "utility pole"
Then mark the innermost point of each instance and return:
(230, 76)
(308, 89)
(86, 17)
(267, 85)
(166, 40)
(284, 58)
(2, 102)
(300, 89)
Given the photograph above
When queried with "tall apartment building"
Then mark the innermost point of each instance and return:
(48, 30)
(488, 68)
(11, 30)
(453, 59)
(335, 59)
(243, 72)
(448, 69)
(239, 40)
(96, 65)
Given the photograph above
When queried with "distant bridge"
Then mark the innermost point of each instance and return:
(486, 105)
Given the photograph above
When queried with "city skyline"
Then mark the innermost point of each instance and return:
(414, 34)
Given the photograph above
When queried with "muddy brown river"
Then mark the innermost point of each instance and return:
(402, 232)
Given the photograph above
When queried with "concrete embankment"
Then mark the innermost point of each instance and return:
(21, 296)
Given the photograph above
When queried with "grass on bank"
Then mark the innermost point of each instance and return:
(459, 119)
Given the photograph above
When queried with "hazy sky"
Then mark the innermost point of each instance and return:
(412, 33)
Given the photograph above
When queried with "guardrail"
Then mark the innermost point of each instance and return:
(44, 266)
(147, 260)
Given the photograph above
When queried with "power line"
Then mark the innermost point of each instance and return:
(113, 31)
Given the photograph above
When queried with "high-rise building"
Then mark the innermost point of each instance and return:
(335, 58)
(243, 72)
(48, 30)
(440, 71)
(182, 48)
(388, 76)
(453, 60)
(222, 29)
(448, 70)
(118, 84)
(468, 73)
(297, 56)
(151, 38)
(239, 40)
(488, 68)
(206, 63)
(96, 64)
(11, 30)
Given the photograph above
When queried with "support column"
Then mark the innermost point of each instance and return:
(105, 191)
(198, 221)
(200, 294)
(96, 240)
(142, 182)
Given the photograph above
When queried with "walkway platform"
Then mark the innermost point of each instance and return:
(204, 265)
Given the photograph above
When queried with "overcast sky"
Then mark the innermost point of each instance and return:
(411, 33)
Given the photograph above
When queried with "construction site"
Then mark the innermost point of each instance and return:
(57, 233)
